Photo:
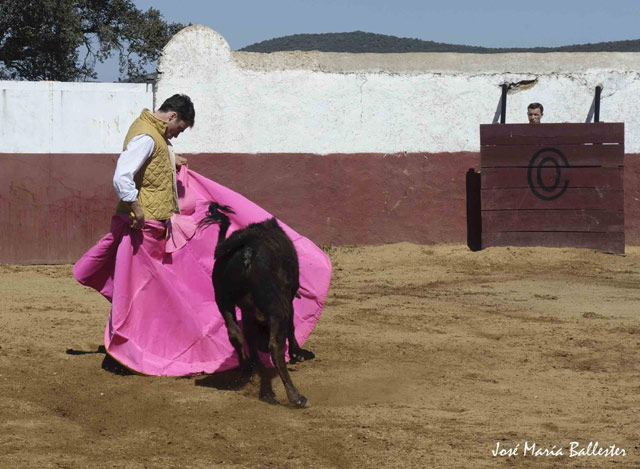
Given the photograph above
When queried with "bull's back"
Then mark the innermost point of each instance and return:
(271, 251)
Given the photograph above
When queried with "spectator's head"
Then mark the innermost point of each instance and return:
(534, 113)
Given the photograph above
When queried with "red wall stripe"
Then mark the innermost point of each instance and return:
(53, 207)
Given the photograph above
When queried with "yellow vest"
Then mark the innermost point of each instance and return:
(155, 181)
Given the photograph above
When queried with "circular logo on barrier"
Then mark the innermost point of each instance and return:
(547, 160)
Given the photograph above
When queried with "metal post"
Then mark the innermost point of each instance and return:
(503, 101)
(596, 113)
(151, 80)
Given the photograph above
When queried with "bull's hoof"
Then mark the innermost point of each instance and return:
(301, 355)
(302, 402)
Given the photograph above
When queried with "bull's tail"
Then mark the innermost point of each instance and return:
(216, 215)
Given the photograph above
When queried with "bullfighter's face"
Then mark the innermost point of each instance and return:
(175, 126)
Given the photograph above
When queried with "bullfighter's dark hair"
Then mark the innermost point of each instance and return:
(182, 105)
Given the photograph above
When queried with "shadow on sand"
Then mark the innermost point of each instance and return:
(232, 380)
(108, 363)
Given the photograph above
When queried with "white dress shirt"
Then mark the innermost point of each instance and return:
(139, 149)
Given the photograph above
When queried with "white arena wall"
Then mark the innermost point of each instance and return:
(56, 117)
(321, 103)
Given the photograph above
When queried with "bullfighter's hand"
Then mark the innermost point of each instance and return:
(137, 216)
(180, 160)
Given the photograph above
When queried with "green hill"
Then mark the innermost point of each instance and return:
(359, 41)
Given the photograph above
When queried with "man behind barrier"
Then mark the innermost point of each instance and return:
(534, 113)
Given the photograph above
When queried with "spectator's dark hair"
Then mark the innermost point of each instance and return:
(182, 105)
(536, 106)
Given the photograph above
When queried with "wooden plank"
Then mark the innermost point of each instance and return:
(576, 155)
(602, 178)
(552, 220)
(557, 134)
(570, 199)
(608, 242)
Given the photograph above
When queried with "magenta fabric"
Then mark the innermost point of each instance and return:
(164, 320)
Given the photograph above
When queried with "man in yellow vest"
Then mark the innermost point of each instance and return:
(145, 176)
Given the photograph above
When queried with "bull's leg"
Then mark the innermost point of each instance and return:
(250, 330)
(266, 389)
(277, 341)
(252, 335)
(276, 306)
(296, 353)
(228, 310)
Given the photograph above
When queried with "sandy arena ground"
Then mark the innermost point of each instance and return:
(427, 356)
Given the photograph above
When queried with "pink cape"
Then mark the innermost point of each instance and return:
(164, 320)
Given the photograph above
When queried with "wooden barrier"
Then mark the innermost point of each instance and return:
(553, 185)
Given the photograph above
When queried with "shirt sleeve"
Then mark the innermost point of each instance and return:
(129, 163)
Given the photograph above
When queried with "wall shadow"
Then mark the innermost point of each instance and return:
(474, 207)
(591, 112)
(498, 113)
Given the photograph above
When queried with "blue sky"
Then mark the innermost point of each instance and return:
(489, 23)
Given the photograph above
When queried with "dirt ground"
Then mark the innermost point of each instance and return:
(427, 356)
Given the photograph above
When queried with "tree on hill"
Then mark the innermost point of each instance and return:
(63, 39)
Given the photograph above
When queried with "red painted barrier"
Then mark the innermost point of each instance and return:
(53, 207)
